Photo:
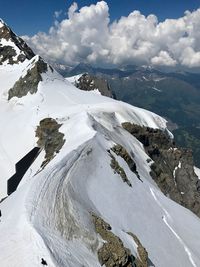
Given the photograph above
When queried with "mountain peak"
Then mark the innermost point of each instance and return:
(1, 22)
(17, 56)
(12, 48)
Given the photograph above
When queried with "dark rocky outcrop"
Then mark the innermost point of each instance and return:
(29, 83)
(112, 253)
(8, 52)
(90, 82)
(149, 137)
(114, 164)
(142, 260)
(172, 168)
(122, 152)
(49, 138)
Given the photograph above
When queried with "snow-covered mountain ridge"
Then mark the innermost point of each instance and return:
(89, 82)
(88, 198)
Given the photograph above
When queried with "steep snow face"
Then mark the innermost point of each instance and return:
(197, 171)
(55, 98)
(49, 216)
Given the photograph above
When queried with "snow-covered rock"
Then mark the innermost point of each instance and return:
(88, 82)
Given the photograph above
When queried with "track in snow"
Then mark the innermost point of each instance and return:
(172, 230)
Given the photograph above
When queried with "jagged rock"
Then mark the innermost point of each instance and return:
(172, 168)
(112, 253)
(49, 138)
(148, 136)
(7, 52)
(90, 82)
(122, 152)
(142, 261)
(114, 164)
(29, 83)
(174, 173)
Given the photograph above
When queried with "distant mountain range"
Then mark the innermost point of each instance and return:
(175, 96)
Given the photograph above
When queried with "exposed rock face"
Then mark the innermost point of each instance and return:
(90, 82)
(121, 151)
(8, 52)
(150, 138)
(172, 169)
(29, 83)
(49, 138)
(142, 261)
(114, 164)
(112, 253)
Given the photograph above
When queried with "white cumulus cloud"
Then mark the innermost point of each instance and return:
(87, 35)
(163, 59)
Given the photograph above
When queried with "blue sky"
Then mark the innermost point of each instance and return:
(29, 17)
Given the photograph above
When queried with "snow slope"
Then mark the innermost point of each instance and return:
(49, 215)
(73, 79)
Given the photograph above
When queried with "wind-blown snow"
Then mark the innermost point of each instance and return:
(197, 171)
(74, 79)
(49, 216)
(1, 23)
(156, 89)
(174, 172)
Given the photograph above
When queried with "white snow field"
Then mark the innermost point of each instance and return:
(74, 79)
(49, 215)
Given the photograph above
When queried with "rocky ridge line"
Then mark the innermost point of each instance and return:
(172, 168)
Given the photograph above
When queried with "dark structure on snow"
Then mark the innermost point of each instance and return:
(21, 168)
